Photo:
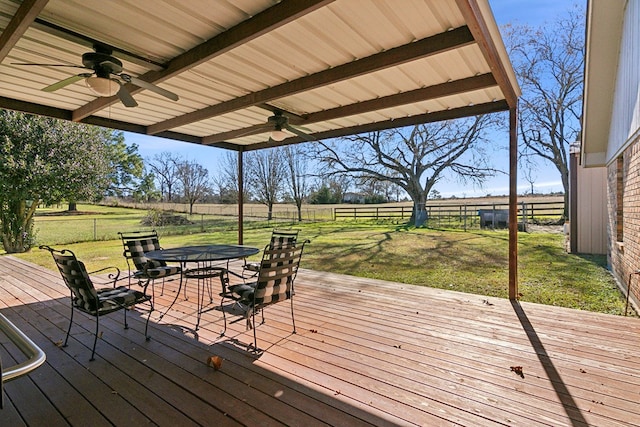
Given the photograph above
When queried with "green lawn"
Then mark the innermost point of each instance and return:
(474, 261)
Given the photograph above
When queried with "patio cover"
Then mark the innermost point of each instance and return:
(334, 67)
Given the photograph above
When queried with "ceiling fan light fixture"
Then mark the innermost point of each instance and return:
(102, 86)
(279, 135)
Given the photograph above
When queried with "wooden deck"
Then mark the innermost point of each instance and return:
(366, 353)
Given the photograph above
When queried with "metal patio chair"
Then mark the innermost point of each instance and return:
(96, 302)
(274, 283)
(279, 239)
(142, 269)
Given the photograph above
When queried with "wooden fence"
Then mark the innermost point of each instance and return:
(493, 215)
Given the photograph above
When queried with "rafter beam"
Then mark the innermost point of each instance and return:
(474, 18)
(27, 12)
(482, 81)
(429, 46)
(60, 113)
(268, 20)
(454, 113)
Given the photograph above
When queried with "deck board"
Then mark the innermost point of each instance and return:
(367, 352)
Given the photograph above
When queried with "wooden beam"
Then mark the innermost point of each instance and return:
(454, 113)
(27, 12)
(32, 108)
(513, 203)
(478, 26)
(418, 95)
(240, 197)
(393, 57)
(268, 20)
(59, 113)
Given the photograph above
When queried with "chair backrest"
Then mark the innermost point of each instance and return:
(75, 276)
(278, 270)
(283, 238)
(136, 243)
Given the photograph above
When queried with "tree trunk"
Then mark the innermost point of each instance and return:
(73, 206)
(565, 185)
(17, 227)
(419, 215)
(299, 206)
(270, 211)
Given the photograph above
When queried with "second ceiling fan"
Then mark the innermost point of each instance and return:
(278, 124)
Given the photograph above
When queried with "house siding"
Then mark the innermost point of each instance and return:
(623, 205)
(625, 120)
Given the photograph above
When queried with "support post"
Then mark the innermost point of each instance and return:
(513, 203)
(240, 198)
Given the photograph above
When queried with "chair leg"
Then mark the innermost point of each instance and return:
(126, 325)
(224, 316)
(255, 338)
(293, 320)
(70, 323)
(95, 338)
(146, 326)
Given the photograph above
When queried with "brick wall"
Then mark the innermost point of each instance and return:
(623, 224)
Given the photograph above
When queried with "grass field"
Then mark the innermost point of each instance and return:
(472, 261)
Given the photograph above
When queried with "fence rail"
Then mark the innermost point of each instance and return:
(461, 215)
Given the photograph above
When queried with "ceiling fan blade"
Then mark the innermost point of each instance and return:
(254, 130)
(126, 98)
(301, 128)
(146, 85)
(50, 65)
(300, 133)
(65, 82)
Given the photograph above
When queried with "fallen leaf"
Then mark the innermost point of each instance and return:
(215, 362)
(518, 371)
(582, 371)
(58, 343)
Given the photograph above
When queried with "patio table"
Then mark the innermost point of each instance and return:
(207, 259)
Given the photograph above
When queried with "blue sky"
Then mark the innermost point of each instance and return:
(547, 179)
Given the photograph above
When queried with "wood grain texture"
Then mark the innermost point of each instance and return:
(367, 352)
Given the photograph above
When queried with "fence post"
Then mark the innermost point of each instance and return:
(493, 218)
(95, 229)
(532, 208)
(465, 217)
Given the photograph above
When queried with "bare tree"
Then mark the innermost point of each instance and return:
(413, 158)
(226, 180)
(265, 172)
(530, 176)
(549, 63)
(193, 179)
(164, 168)
(297, 174)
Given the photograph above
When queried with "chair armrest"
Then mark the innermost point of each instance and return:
(112, 277)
